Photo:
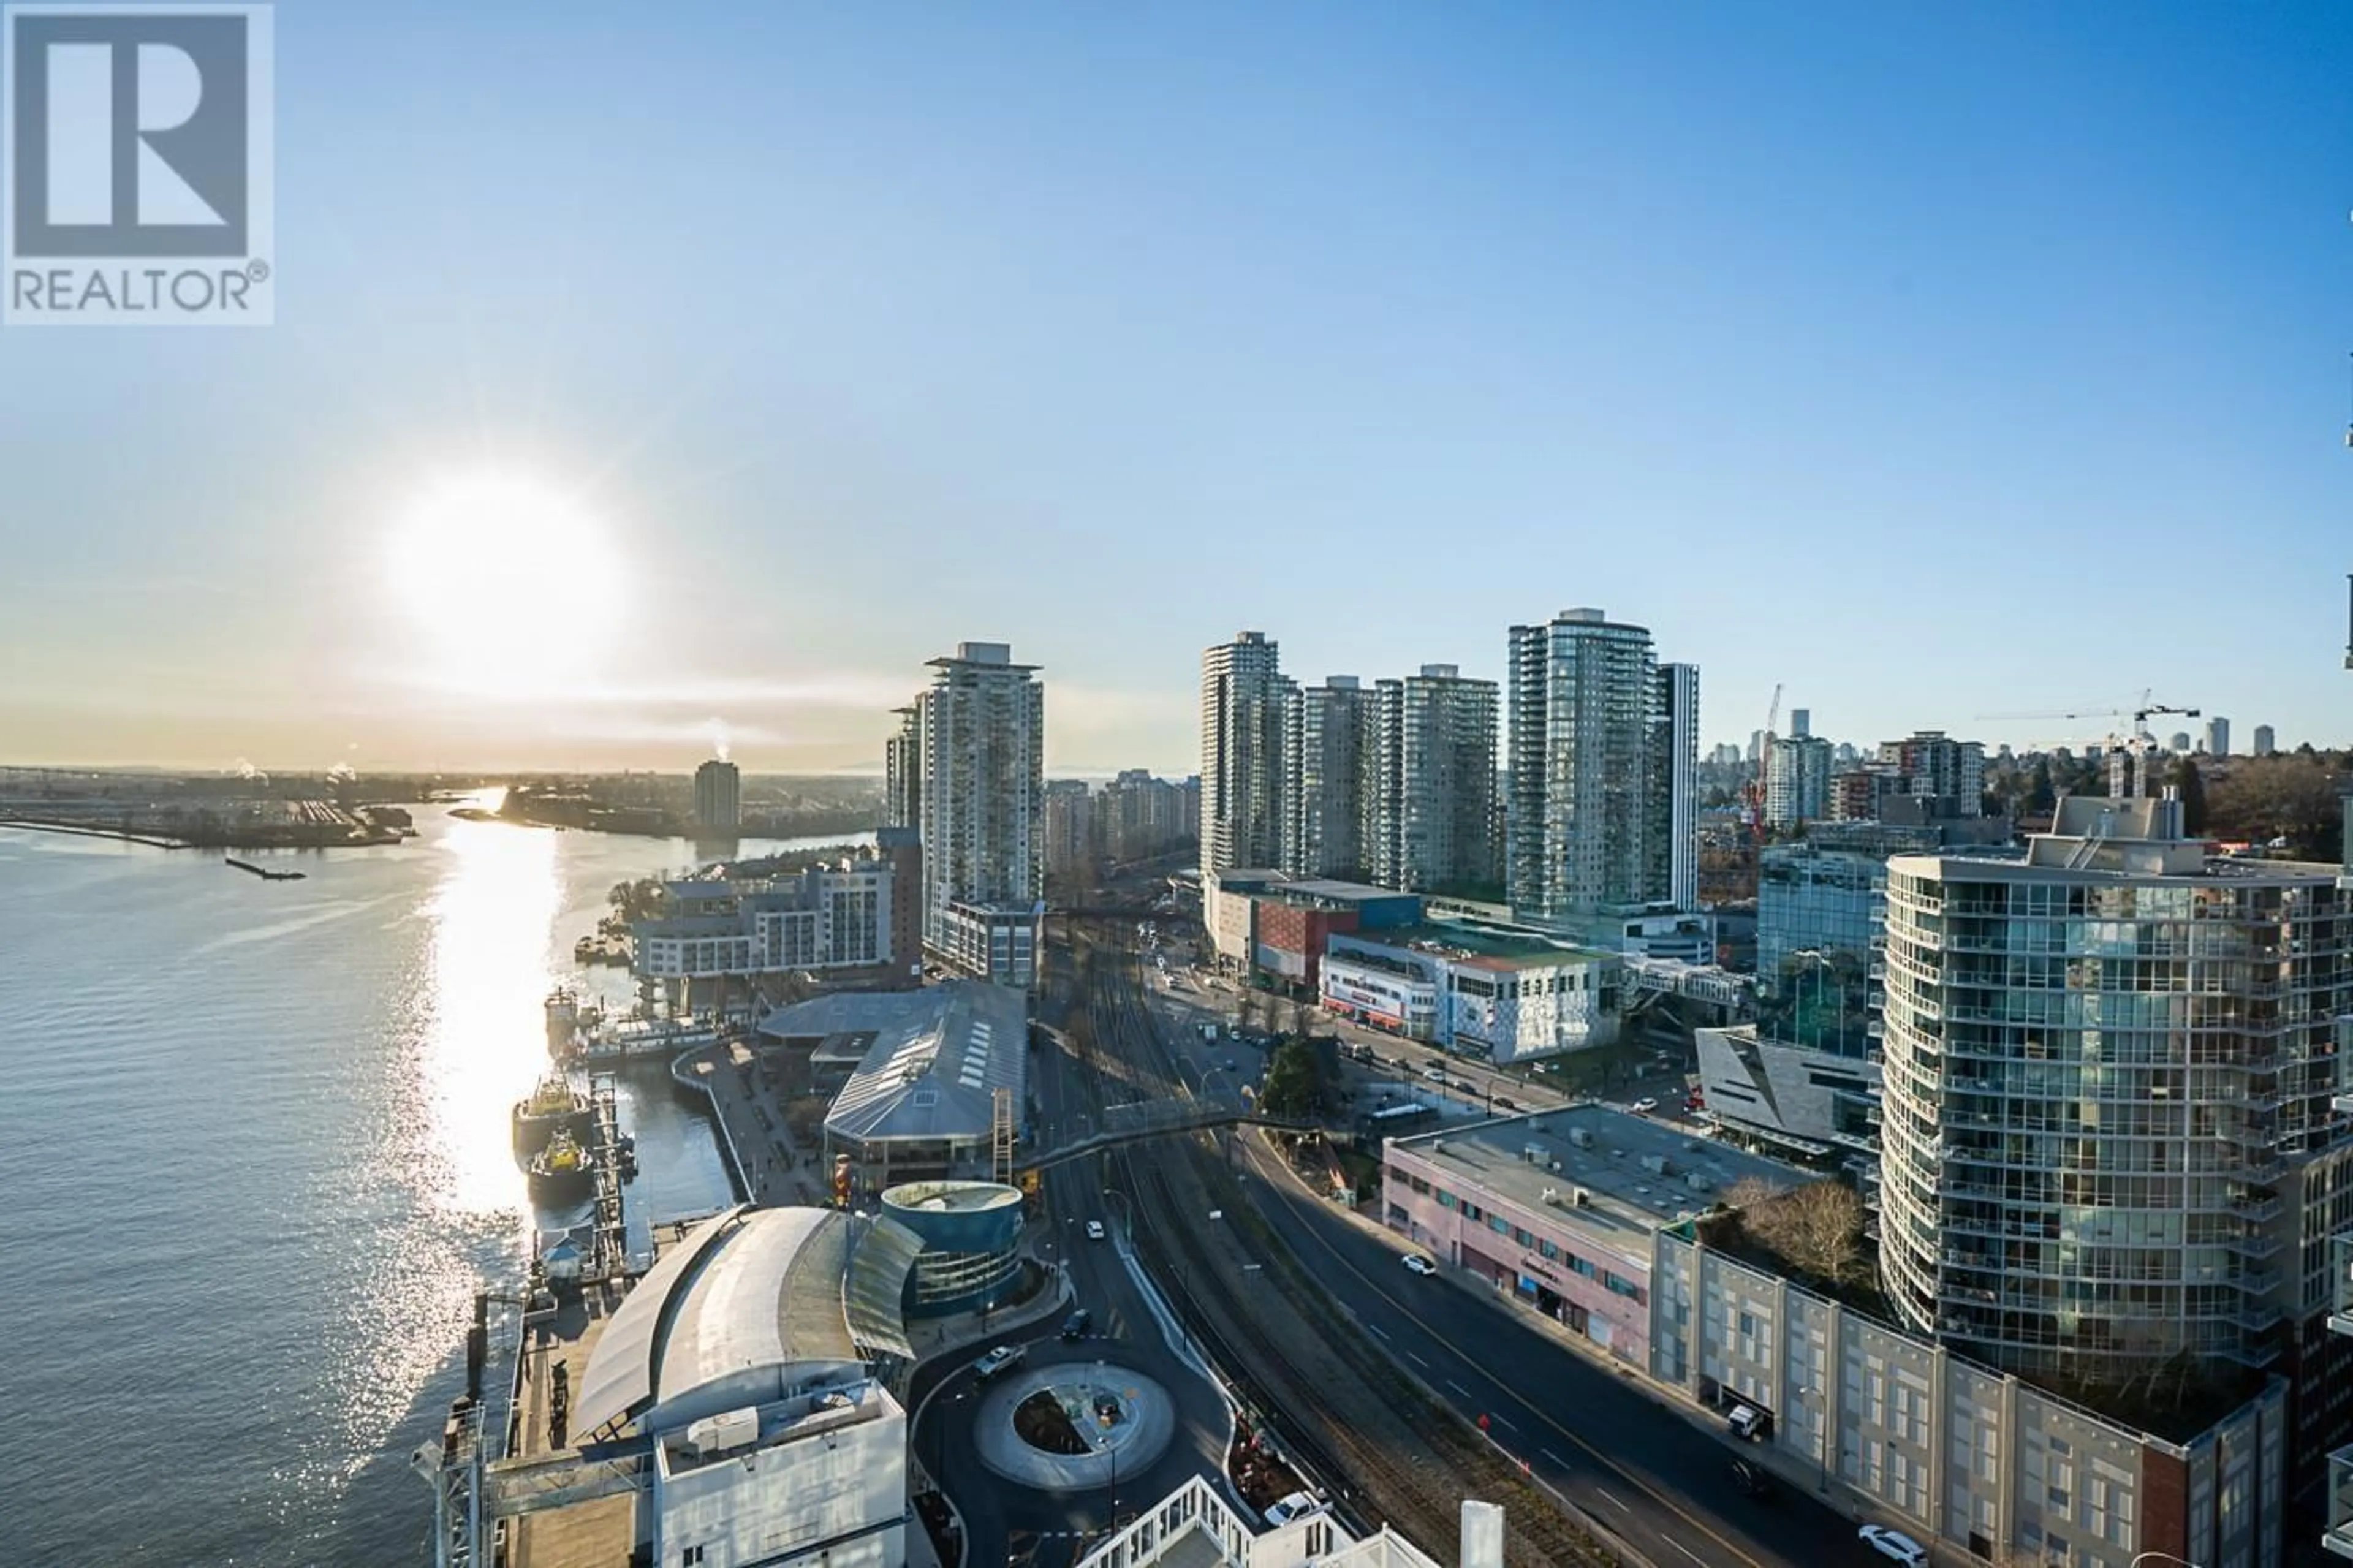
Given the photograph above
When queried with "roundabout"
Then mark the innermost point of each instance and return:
(1072, 1427)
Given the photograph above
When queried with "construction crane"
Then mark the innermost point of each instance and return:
(1755, 790)
(2139, 742)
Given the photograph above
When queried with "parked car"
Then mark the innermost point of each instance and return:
(1296, 1506)
(1000, 1358)
(1503, 1104)
(1076, 1325)
(1094, 1230)
(1895, 1545)
(1747, 1422)
(1415, 1263)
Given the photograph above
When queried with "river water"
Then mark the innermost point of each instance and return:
(254, 1163)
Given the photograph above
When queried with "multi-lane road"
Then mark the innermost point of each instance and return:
(1590, 1434)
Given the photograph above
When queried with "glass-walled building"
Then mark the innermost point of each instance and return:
(2107, 1102)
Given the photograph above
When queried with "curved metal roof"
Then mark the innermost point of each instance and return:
(727, 1315)
(619, 1382)
(937, 1058)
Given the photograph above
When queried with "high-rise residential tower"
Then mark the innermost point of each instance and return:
(981, 738)
(1432, 782)
(902, 770)
(1591, 790)
(2108, 1147)
(2264, 742)
(2218, 736)
(1797, 781)
(1326, 782)
(1243, 698)
(718, 796)
(1674, 837)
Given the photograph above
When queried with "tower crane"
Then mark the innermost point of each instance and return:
(2138, 740)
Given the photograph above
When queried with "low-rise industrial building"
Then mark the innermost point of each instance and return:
(1503, 995)
(1557, 1208)
(1278, 925)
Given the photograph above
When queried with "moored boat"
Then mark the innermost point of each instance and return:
(555, 1106)
(564, 1172)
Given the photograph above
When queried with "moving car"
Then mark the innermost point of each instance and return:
(1435, 1075)
(1895, 1545)
(998, 1359)
(1751, 1480)
(1415, 1263)
(1747, 1422)
(1076, 1325)
(1094, 1230)
(1644, 1105)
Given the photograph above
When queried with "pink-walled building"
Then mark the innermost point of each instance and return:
(1557, 1208)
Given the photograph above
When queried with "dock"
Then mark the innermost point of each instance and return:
(263, 872)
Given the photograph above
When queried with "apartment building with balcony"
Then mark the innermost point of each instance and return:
(2108, 1144)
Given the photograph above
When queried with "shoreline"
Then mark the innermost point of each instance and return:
(225, 842)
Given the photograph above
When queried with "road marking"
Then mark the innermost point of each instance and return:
(1458, 1388)
(1682, 1548)
(1502, 1420)
(1556, 1458)
(1416, 1361)
(1607, 1498)
(1378, 1330)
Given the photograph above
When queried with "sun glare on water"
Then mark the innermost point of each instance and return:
(512, 587)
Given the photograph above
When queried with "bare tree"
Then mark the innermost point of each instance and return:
(1818, 1227)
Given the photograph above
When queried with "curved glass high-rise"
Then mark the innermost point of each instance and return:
(2107, 1066)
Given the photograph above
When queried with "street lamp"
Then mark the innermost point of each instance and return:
(1123, 1197)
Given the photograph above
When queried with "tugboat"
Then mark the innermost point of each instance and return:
(563, 1173)
(554, 1107)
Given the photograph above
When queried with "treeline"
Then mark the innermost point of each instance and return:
(2292, 799)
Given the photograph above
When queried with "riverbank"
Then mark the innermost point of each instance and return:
(307, 836)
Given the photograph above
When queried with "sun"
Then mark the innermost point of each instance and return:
(511, 586)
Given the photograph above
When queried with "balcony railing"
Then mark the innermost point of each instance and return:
(2340, 1282)
(2339, 1538)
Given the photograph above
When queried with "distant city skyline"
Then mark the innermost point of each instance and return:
(1928, 390)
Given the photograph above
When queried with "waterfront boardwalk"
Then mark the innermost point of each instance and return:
(755, 1132)
(598, 1531)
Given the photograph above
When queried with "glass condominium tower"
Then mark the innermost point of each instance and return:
(2106, 1110)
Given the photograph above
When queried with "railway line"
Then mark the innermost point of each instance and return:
(1385, 1451)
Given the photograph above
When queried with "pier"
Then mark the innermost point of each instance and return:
(608, 1252)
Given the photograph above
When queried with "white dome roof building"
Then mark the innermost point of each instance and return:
(746, 1360)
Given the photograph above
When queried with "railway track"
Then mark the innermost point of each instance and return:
(1385, 1451)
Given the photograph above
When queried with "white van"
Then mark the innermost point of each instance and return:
(1747, 1422)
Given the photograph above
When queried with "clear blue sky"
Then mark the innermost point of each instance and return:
(1935, 361)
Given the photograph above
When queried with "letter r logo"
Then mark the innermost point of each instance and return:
(129, 132)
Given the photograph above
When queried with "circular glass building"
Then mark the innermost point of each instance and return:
(972, 1237)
